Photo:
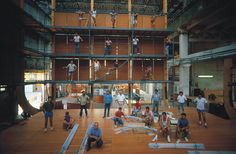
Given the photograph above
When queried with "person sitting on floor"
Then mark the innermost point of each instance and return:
(164, 123)
(118, 117)
(94, 135)
(136, 108)
(68, 121)
(148, 117)
(182, 129)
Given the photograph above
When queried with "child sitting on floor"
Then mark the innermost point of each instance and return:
(68, 121)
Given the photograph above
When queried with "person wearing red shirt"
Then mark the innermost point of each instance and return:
(136, 108)
(118, 117)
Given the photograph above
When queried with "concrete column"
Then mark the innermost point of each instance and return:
(184, 67)
(184, 76)
(183, 45)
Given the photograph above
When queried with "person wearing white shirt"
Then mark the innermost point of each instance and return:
(77, 40)
(71, 68)
(135, 45)
(181, 99)
(120, 98)
(97, 67)
(113, 18)
(201, 109)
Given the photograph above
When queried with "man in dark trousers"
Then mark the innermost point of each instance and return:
(48, 114)
(84, 100)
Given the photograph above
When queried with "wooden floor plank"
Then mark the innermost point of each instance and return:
(29, 138)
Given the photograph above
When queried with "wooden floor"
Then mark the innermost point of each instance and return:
(28, 137)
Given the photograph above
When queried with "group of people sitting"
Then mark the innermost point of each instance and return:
(182, 127)
(164, 122)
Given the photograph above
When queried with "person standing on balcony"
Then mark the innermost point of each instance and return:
(134, 20)
(71, 68)
(135, 45)
(168, 47)
(77, 40)
(97, 67)
(108, 44)
(113, 18)
(93, 17)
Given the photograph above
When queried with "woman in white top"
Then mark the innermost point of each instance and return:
(181, 99)
(201, 109)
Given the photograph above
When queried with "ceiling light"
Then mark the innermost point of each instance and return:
(205, 76)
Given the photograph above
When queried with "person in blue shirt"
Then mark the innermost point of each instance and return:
(68, 121)
(94, 135)
(156, 99)
(107, 102)
(182, 129)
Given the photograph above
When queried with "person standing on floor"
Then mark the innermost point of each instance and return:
(156, 99)
(181, 99)
(84, 101)
(201, 109)
(107, 102)
(120, 99)
(77, 40)
(48, 113)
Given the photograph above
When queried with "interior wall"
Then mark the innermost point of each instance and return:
(215, 68)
